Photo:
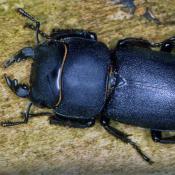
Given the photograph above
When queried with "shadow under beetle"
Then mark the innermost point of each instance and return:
(80, 78)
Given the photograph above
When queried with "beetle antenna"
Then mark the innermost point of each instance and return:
(25, 14)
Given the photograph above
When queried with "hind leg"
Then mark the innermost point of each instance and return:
(105, 122)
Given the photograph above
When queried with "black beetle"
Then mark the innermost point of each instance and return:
(80, 78)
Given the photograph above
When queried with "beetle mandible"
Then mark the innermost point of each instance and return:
(80, 78)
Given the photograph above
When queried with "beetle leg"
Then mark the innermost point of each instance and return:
(72, 122)
(133, 42)
(20, 90)
(105, 122)
(37, 114)
(25, 121)
(25, 14)
(168, 45)
(59, 34)
(32, 27)
(157, 137)
(23, 54)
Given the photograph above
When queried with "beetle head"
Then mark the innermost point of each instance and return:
(45, 78)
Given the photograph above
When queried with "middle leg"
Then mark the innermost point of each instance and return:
(72, 122)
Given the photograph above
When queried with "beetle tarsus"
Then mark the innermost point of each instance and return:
(10, 123)
(123, 137)
(13, 123)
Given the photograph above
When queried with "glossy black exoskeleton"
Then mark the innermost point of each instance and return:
(79, 78)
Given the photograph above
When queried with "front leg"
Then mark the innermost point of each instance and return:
(25, 121)
(72, 122)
